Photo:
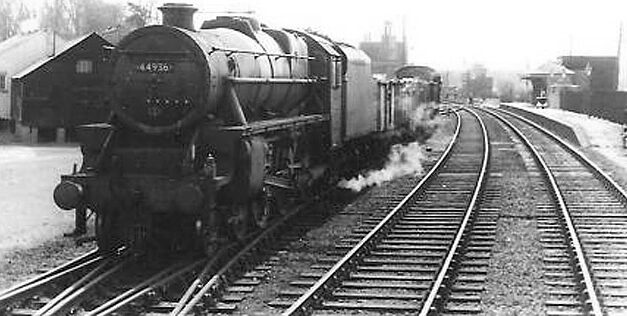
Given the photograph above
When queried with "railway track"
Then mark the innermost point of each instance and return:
(585, 252)
(117, 284)
(408, 260)
(65, 273)
(88, 282)
(254, 283)
(385, 266)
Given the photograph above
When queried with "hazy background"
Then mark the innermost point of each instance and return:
(454, 34)
(446, 34)
(507, 38)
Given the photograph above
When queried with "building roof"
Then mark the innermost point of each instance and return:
(69, 45)
(582, 62)
(423, 72)
(548, 69)
(17, 40)
(22, 50)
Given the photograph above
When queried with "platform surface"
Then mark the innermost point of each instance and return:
(600, 135)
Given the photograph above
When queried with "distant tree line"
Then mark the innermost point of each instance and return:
(12, 14)
(72, 18)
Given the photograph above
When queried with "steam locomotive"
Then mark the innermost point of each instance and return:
(215, 131)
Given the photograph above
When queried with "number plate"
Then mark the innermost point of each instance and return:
(155, 67)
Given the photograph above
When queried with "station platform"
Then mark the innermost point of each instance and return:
(587, 132)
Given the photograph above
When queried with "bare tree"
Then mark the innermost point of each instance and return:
(140, 13)
(98, 15)
(12, 13)
(77, 17)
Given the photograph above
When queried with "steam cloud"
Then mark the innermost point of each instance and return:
(402, 160)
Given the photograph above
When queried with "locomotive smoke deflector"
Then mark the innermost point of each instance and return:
(178, 15)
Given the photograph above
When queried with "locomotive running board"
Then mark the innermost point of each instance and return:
(253, 80)
(279, 182)
(265, 126)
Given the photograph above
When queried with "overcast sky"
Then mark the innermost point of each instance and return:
(453, 34)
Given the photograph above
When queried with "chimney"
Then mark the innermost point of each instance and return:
(179, 15)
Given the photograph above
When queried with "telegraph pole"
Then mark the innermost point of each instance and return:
(54, 26)
(621, 78)
(405, 58)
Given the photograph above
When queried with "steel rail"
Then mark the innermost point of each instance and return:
(198, 289)
(219, 279)
(75, 286)
(575, 244)
(331, 277)
(28, 289)
(576, 152)
(56, 271)
(142, 289)
(428, 305)
(62, 302)
(54, 274)
(195, 286)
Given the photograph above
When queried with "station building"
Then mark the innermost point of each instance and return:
(583, 84)
(551, 74)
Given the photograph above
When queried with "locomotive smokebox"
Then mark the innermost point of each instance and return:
(178, 15)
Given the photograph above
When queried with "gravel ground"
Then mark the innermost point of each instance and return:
(5, 137)
(617, 172)
(35, 244)
(514, 280)
(514, 285)
(29, 175)
(25, 263)
(30, 218)
(301, 254)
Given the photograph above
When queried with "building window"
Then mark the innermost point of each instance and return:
(3, 81)
(84, 66)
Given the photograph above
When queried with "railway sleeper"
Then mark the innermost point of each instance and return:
(384, 285)
(345, 294)
(425, 241)
(563, 292)
(462, 309)
(400, 269)
(390, 277)
(371, 305)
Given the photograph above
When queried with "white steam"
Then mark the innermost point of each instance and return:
(402, 160)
